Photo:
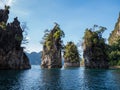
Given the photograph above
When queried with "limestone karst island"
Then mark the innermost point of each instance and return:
(11, 52)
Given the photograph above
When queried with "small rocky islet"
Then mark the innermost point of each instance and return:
(11, 52)
(71, 55)
(94, 45)
(52, 47)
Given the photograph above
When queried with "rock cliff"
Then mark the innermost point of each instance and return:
(115, 35)
(11, 52)
(52, 46)
(114, 45)
(94, 53)
(71, 55)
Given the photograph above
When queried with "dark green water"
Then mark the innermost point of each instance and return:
(60, 79)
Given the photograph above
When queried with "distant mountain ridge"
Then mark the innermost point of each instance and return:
(34, 57)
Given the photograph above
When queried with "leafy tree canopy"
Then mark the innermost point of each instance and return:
(71, 53)
(53, 37)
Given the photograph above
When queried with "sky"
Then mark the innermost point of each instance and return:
(73, 16)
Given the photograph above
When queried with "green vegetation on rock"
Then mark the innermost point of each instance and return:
(94, 38)
(114, 45)
(115, 35)
(71, 53)
(3, 25)
(95, 48)
(52, 47)
(12, 55)
(52, 36)
(114, 54)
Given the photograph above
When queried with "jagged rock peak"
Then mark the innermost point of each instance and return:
(4, 14)
(52, 46)
(115, 34)
(12, 55)
(94, 52)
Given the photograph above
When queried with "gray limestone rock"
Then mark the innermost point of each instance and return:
(11, 52)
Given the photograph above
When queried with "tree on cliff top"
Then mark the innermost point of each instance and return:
(4, 17)
(94, 36)
(115, 35)
(71, 53)
(53, 38)
(95, 49)
(19, 29)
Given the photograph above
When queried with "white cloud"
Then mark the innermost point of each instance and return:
(6, 2)
(32, 48)
(1, 4)
(15, 10)
(28, 38)
(10, 2)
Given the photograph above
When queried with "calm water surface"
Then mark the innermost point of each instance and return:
(60, 79)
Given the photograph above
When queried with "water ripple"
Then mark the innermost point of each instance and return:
(60, 79)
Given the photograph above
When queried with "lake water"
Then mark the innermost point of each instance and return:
(60, 79)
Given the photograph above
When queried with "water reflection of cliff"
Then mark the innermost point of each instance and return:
(10, 79)
(51, 79)
(60, 79)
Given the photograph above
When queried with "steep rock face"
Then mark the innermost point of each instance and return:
(71, 55)
(11, 52)
(115, 35)
(94, 53)
(114, 45)
(51, 60)
(51, 54)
